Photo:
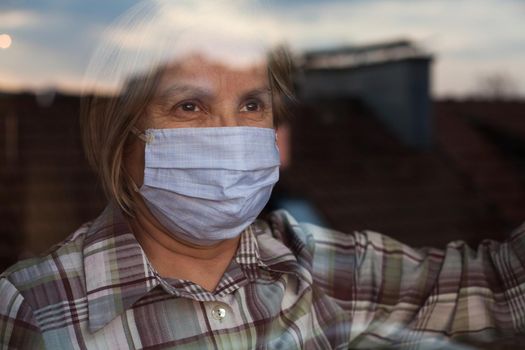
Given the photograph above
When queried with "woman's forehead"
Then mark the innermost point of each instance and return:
(208, 72)
(198, 65)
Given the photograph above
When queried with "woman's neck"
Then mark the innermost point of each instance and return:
(174, 258)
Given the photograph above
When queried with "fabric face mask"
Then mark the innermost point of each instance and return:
(205, 185)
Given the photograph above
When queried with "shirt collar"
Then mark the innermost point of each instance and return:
(283, 247)
(116, 268)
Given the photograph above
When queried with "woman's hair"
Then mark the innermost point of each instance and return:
(106, 122)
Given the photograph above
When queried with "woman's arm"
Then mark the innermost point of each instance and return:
(394, 293)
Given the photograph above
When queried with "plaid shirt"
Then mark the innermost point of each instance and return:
(289, 286)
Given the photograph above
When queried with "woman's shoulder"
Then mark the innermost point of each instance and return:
(61, 262)
(315, 242)
(284, 225)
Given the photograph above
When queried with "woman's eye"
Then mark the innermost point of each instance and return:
(251, 106)
(189, 107)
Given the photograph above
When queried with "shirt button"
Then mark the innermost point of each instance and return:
(218, 312)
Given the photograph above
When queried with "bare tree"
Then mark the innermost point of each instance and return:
(496, 86)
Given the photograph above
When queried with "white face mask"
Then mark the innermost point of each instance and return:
(205, 185)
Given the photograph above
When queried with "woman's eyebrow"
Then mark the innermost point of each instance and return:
(258, 92)
(194, 91)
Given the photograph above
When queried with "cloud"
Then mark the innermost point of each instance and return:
(15, 19)
(96, 11)
(468, 37)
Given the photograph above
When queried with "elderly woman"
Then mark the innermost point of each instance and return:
(187, 156)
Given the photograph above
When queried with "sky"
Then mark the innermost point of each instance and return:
(53, 41)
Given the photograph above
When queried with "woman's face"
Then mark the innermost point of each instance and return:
(201, 93)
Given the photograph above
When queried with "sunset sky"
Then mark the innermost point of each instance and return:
(48, 44)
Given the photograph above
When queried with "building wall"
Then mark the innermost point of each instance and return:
(398, 92)
(46, 187)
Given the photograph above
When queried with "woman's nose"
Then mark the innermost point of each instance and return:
(229, 119)
(225, 115)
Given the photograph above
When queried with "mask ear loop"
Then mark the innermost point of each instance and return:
(147, 138)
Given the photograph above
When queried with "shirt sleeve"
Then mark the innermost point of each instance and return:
(396, 293)
(18, 329)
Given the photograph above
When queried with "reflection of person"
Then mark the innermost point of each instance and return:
(187, 157)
